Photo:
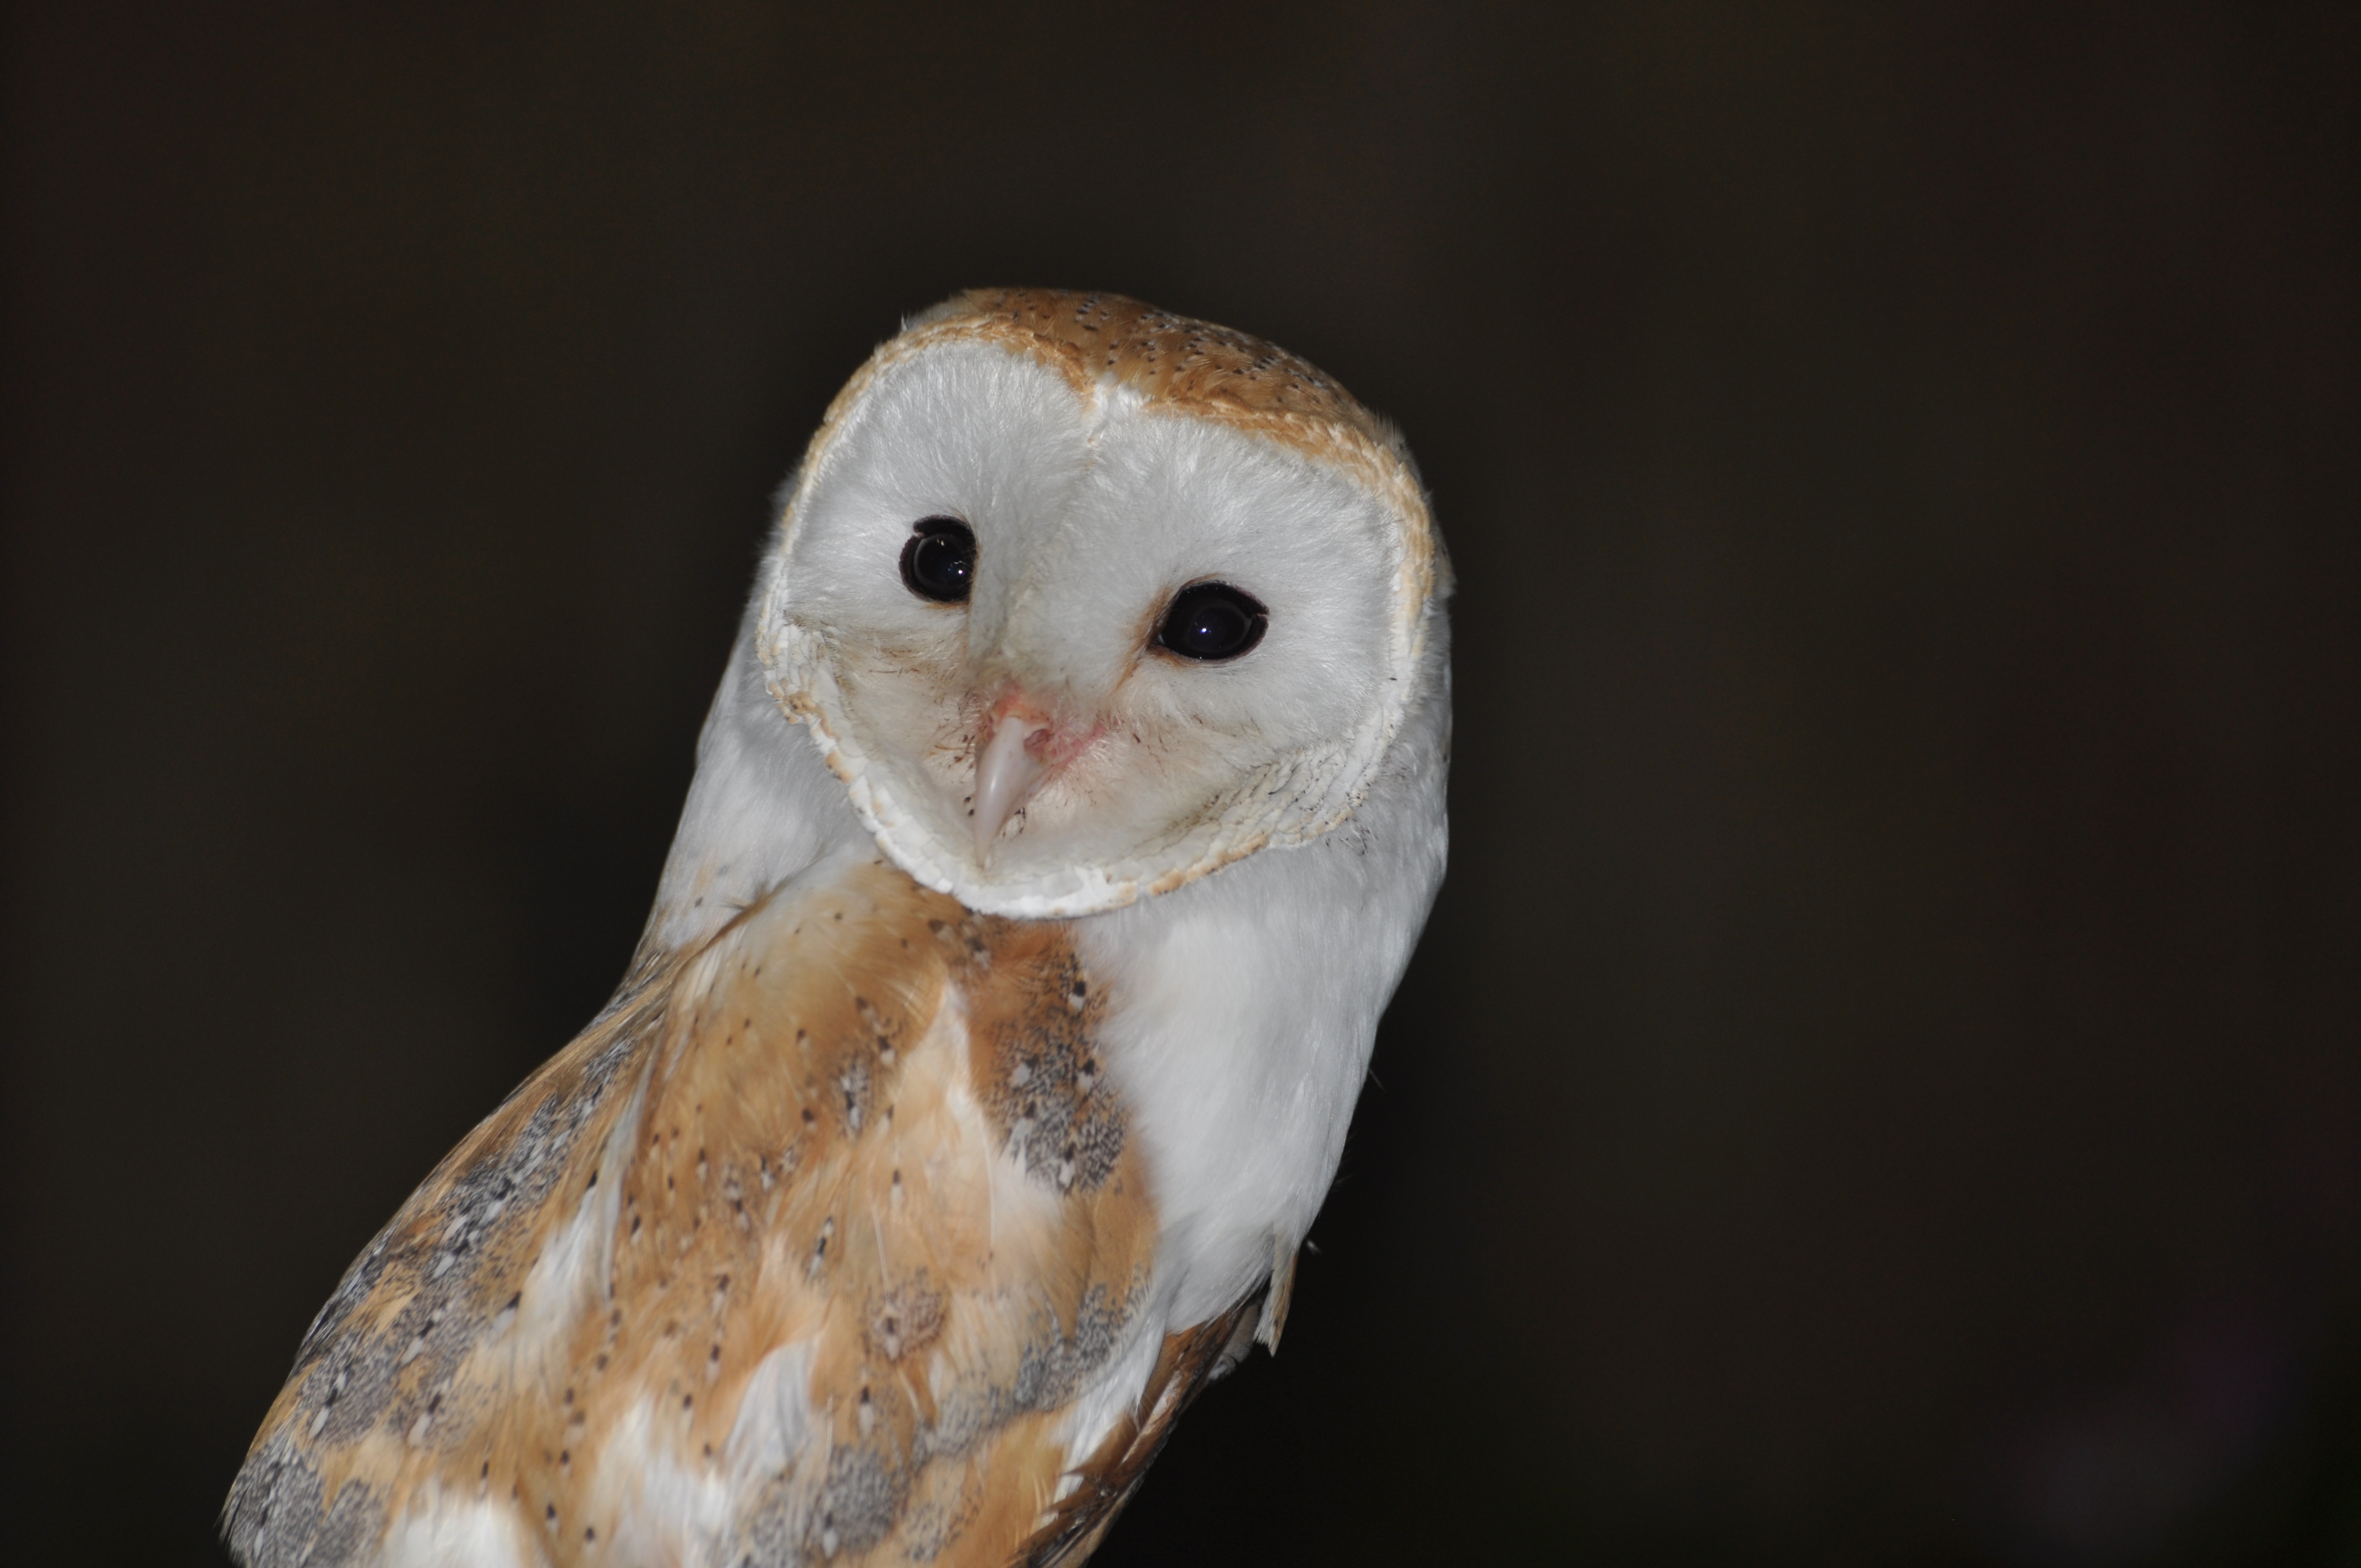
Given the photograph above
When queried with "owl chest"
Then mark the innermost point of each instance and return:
(885, 1221)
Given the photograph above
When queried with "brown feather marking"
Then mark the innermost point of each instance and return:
(1206, 368)
(1188, 1360)
(862, 1123)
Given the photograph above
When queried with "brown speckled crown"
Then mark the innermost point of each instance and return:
(1170, 359)
(1192, 368)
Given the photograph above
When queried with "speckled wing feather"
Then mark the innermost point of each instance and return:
(1106, 1480)
(827, 1240)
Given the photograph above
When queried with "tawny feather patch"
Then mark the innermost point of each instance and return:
(858, 1160)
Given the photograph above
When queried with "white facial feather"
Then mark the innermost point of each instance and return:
(1092, 505)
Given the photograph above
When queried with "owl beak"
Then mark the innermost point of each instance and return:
(1007, 770)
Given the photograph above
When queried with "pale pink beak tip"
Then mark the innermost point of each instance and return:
(1006, 774)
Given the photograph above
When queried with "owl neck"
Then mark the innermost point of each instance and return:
(763, 808)
(1244, 1006)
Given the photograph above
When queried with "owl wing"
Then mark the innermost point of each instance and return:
(825, 1241)
(1188, 1360)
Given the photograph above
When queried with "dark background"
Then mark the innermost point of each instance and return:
(1882, 1082)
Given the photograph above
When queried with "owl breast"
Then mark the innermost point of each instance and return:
(832, 1242)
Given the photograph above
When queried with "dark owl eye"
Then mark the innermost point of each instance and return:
(939, 563)
(1212, 620)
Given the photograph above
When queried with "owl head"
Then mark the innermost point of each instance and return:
(1082, 601)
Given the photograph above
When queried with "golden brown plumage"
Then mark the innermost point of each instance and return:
(862, 1140)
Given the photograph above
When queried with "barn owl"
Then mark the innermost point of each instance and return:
(1070, 805)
